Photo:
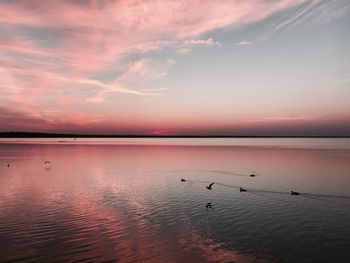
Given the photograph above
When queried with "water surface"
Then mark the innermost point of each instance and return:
(122, 200)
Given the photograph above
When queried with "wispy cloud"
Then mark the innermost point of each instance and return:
(314, 11)
(284, 119)
(309, 6)
(201, 42)
(245, 43)
(37, 119)
(340, 83)
(146, 69)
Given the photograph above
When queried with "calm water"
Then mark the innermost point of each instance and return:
(121, 200)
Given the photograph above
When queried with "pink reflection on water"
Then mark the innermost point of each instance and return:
(119, 202)
(207, 250)
(112, 228)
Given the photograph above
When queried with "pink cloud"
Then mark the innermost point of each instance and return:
(93, 35)
(119, 27)
(71, 44)
(285, 118)
(140, 15)
(32, 118)
(161, 132)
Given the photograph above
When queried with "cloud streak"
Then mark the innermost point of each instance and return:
(285, 118)
(245, 43)
(318, 11)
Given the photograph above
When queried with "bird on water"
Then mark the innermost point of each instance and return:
(252, 175)
(183, 180)
(242, 189)
(294, 193)
(47, 165)
(209, 186)
(208, 205)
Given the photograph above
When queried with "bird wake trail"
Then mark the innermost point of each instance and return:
(319, 197)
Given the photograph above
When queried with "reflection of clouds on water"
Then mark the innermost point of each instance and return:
(207, 250)
(99, 203)
(146, 220)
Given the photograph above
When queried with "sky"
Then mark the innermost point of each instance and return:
(239, 67)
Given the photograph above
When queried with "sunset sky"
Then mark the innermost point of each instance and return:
(239, 67)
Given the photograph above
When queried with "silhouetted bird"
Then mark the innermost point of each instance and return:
(183, 180)
(8, 165)
(242, 189)
(252, 175)
(209, 186)
(294, 193)
(208, 205)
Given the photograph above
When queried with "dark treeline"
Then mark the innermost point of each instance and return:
(51, 135)
(68, 135)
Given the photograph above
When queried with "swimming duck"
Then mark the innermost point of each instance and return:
(208, 205)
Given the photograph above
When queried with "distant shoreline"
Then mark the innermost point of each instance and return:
(63, 135)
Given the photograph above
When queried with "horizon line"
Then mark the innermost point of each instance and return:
(77, 135)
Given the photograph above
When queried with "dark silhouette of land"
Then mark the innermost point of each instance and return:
(67, 135)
